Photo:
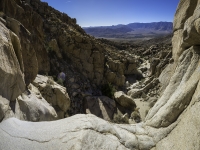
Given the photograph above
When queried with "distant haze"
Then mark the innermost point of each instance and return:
(113, 12)
(132, 30)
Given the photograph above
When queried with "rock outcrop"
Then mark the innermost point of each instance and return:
(180, 99)
(11, 76)
(77, 132)
(34, 38)
(31, 106)
(54, 94)
(5, 110)
(124, 100)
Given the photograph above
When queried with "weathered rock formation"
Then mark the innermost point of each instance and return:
(54, 94)
(172, 123)
(31, 106)
(11, 75)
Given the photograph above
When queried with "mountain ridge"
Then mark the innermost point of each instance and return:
(131, 30)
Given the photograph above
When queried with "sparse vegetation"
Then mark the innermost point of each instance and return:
(135, 115)
(108, 90)
(60, 81)
(49, 49)
(120, 119)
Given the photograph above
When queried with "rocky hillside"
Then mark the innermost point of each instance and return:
(153, 101)
(47, 42)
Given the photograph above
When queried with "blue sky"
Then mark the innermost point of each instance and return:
(113, 12)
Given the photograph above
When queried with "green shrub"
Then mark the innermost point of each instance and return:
(135, 115)
(108, 90)
(60, 81)
(49, 49)
(120, 119)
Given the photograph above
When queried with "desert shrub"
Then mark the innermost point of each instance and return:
(120, 119)
(108, 90)
(49, 49)
(135, 115)
(60, 81)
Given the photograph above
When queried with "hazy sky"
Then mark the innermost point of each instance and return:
(113, 12)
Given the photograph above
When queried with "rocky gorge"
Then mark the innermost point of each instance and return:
(113, 97)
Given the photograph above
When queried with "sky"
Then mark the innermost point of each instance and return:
(112, 12)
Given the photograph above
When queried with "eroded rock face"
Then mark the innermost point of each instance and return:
(180, 101)
(53, 93)
(187, 129)
(172, 123)
(5, 110)
(186, 27)
(11, 76)
(78, 132)
(27, 25)
(31, 106)
(179, 92)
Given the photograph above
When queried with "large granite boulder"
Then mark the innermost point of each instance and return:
(53, 93)
(31, 106)
(11, 76)
(124, 100)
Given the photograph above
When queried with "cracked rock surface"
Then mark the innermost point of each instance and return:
(171, 124)
(87, 131)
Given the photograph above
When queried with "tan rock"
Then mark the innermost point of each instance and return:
(186, 135)
(178, 93)
(184, 10)
(166, 75)
(54, 47)
(5, 110)
(124, 100)
(28, 53)
(11, 77)
(77, 132)
(31, 106)
(54, 93)
(18, 51)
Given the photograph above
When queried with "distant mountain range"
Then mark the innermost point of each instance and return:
(132, 30)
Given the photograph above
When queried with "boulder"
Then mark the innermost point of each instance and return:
(5, 110)
(124, 100)
(101, 106)
(54, 93)
(184, 10)
(31, 106)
